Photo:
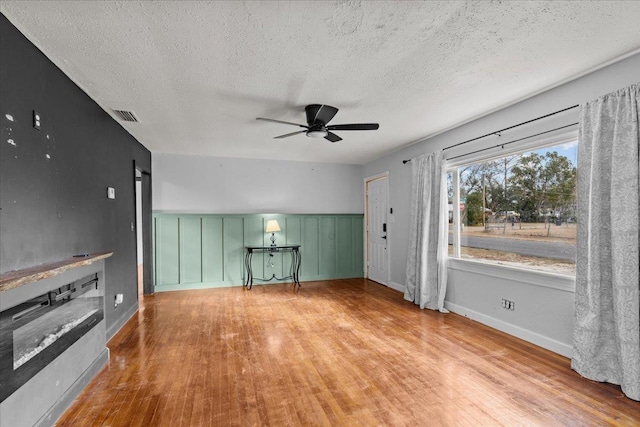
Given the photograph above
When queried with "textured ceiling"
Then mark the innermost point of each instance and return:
(197, 74)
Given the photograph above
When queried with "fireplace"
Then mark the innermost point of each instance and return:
(35, 332)
(52, 337)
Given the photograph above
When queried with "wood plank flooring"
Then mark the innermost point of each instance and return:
(334, 353)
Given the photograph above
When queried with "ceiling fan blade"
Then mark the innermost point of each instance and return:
(286, 135)
(355, 126)
(317, 113)
(280, 121)
(332, 137)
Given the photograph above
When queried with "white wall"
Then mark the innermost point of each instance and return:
(543, 314)
(199, 184)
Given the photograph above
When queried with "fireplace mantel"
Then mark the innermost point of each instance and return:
(17, 278)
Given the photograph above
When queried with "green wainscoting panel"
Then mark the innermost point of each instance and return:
(358, 243)
(344, 245)
(293, 230)
(310, 262)
(193, 251)
(212, 249)
(190, 250)
(166, 250)
(327, 261)
(233, 240)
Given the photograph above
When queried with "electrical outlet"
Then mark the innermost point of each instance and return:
(111, 193)
(118, 300)
(507, 304)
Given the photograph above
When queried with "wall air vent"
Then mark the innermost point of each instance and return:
(127, 116)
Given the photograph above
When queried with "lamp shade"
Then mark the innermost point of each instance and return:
(272, 226)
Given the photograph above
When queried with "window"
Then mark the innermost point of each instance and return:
(517, 210)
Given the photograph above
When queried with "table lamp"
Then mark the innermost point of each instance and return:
(272, 227)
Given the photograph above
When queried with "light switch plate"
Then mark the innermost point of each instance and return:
(111, 193)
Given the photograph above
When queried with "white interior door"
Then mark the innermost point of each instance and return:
(377, 256)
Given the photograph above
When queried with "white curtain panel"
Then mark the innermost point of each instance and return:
(607, 300)
(426, 282)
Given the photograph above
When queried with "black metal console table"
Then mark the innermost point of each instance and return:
(295, 263)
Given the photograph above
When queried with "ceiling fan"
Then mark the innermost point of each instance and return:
(317, 118)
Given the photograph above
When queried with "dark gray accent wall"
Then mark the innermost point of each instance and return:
(53, 181)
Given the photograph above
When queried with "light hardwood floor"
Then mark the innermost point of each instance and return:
(342, 353)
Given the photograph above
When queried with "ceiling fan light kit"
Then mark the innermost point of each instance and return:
(318, 116)
(317, 133)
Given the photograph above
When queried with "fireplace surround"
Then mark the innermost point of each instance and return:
(52, 337)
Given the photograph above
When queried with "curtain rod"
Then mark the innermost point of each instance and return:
(507, 128)
(511, 142)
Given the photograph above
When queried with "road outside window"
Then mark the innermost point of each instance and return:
(518, 210)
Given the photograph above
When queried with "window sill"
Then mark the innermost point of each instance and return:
(538, 278)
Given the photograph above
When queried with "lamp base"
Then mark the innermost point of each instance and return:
(273, 239)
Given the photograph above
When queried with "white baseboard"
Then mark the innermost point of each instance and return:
(525, 334)
(396, 286)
